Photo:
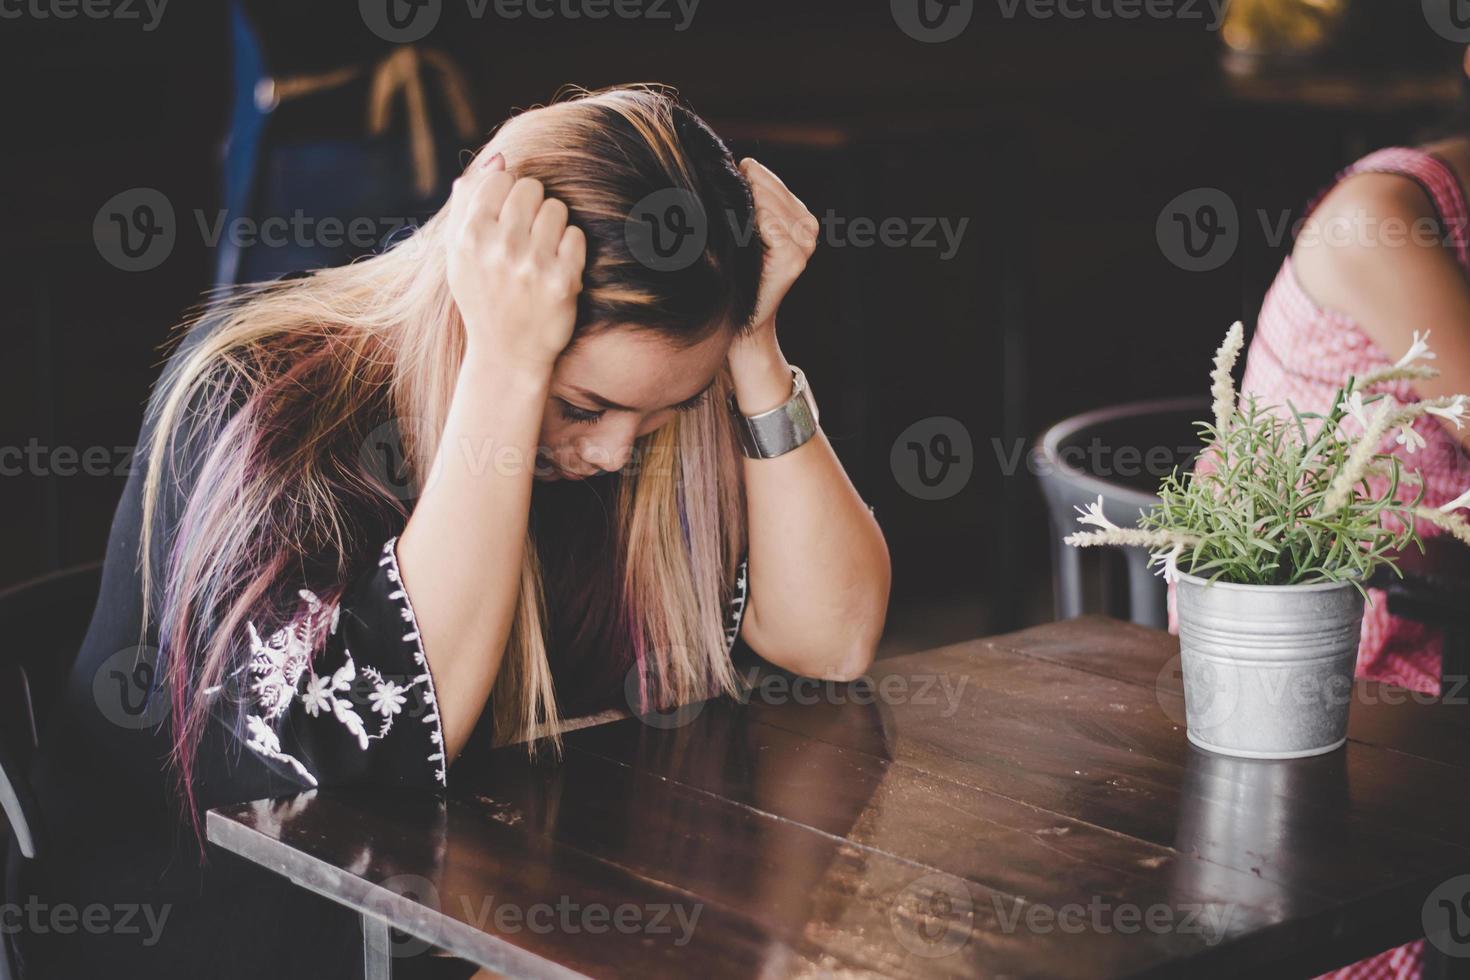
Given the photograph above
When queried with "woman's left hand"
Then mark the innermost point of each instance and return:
(789, 232)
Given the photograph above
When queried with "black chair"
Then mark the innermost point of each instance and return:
(42, 623)
(1120, 453)
(1435, 590)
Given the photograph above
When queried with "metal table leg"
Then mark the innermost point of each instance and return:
(377, 961)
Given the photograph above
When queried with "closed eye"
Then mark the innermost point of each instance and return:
(572, 413)
(575, 413)
(692, 403)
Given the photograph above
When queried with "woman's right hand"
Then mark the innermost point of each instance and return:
(514, 266)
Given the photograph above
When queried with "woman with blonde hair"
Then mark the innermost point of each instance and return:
(607, 471)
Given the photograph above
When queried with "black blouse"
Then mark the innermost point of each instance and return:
(360, 712)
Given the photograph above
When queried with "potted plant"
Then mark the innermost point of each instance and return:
(1270, 541)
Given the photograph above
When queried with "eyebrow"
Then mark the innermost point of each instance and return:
(601, 402)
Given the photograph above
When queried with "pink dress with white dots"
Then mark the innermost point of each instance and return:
(1302, 352)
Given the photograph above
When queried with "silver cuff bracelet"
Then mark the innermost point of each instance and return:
(783, 428)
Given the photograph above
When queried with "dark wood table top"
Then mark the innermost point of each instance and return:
(1024, 804)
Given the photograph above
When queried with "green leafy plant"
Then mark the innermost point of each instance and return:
(1283, 497)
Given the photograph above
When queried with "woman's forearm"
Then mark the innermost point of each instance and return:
(461, 553)
(819, 570)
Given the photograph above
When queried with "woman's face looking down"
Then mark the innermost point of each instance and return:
(613, 386)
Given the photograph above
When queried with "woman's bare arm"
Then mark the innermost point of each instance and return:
(514, 270)
(1368, 252)
(819, 569)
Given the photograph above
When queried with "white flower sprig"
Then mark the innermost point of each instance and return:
(1452, 409)
(1166, 546)
(1290, 500)
(1222, 383)
(1404, 369)
(1418, 351)
(1389, 415)
(1361, 456)
(1453, 524)
(1462, 501)
(1353, 406)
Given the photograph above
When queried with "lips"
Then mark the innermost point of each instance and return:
(549, 468)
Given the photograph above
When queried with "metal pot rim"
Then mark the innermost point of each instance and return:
(1325, 585)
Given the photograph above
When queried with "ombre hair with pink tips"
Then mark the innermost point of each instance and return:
(292, 378)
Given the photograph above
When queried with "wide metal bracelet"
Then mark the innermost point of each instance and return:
(782, 429)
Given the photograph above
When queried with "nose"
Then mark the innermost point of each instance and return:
(610, 447)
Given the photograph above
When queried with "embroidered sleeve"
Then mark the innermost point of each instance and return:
(735, 612)
(363, 707)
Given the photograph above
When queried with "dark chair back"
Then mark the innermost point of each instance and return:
(1120, 453)
(42, 623)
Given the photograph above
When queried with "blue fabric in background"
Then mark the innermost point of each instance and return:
(297, 202)
(242, 142)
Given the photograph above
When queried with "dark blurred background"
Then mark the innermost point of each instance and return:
(1036, 165)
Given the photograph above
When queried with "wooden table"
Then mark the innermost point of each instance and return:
(1025, 804)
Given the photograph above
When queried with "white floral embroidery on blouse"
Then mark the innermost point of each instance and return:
(278, 665)
(736, 611)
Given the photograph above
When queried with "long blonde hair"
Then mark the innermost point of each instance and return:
(281, 385)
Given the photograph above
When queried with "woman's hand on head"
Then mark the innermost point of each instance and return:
(514, 266)
(789, 232)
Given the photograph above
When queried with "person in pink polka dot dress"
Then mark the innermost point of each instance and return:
(1382, 259)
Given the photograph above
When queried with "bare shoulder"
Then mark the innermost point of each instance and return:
(1456, 153)
(1367, 228)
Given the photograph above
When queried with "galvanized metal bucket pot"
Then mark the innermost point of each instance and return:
(1268, 669)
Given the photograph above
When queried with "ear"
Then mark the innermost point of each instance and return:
(1465, 61)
